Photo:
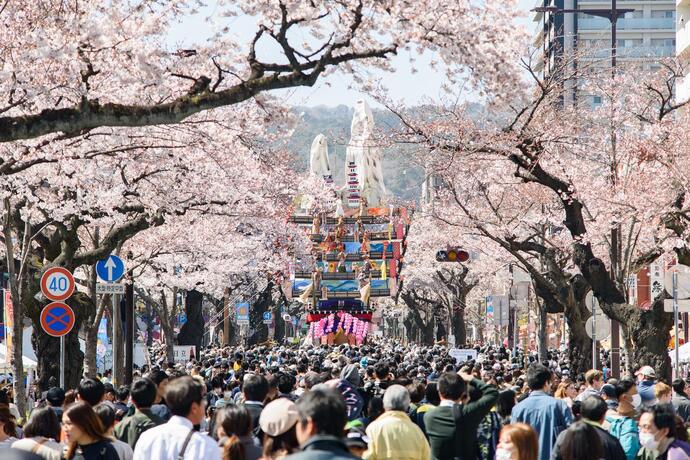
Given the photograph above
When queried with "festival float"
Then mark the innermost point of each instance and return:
(356, 252)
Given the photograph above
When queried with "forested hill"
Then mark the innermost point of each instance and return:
(402, 176)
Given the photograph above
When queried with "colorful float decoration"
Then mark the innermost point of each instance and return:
(356, 254)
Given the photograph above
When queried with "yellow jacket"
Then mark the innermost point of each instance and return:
(394, 436)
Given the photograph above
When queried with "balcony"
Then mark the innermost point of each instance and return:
(628, 24)
(634, 52)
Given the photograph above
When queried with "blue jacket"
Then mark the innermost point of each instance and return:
(547, 415)
(646, 390)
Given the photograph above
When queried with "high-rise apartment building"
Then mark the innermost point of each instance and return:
(683, 45)
(643, 35)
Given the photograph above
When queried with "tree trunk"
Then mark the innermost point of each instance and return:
(258, 331)
(541, 335)
(192, 332)
(579, 343)
(650, 335)
(90, 344)
(459, 326)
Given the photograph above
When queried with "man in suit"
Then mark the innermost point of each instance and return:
(452, 426)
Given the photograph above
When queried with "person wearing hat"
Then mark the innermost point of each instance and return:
(277, 421)
(645, 386)
(608, 394)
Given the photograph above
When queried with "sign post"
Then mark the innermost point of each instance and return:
(110, 270)
(57, 318)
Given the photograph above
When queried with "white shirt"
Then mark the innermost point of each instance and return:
(164, 442)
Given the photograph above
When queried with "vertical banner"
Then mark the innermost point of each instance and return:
(102, 344)
(9, 324)
(656, 280)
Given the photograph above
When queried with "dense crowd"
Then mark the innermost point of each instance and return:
(375, 401)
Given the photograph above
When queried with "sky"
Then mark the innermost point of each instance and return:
(403, 85)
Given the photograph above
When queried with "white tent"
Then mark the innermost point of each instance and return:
(28, 362)
(683, 353)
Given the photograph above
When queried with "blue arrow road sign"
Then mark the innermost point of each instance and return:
(268, 316)
(110, 269)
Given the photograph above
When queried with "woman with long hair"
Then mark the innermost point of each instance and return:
(234, 431)
(8, 426)
(504, 405)
(566, 391)
(518, 441)
(41, 434)
(85, 434)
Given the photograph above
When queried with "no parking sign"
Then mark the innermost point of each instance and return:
(57, 319)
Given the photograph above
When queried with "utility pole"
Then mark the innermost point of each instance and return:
(612, 14)
(129, 324)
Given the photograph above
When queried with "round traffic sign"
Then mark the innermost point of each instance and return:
(268, 316)
(57, 319)
(57, 283)
(603, 327)
(682, 280)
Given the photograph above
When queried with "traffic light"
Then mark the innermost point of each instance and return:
(452, 255)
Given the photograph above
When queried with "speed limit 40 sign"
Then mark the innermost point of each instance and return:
(57, 284)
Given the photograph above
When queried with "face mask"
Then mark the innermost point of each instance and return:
(503, 454)
(647, 441)
(636, 401)
(228, 395)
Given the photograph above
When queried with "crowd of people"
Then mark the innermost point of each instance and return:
(374, 401)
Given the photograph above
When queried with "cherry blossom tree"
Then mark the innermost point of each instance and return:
(580, 197)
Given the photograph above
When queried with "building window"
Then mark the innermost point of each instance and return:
(596, 100)
(663, 13)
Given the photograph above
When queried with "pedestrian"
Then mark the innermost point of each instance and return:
(107, 416)
(177, 439)
(254, 390)
(517, 441)
(41, 434)
(85, 434)
(90, 391)
(581, 442)
(159, 408)
(662, 393)
(278, 422)
(594, 379)
(393, 435)
(547, 415)
(593, 411)
(680, 400)
(56, 398)
(622, 423)
(143, 394)
(8, 426)
(452, 426)
(645, 387)
(566, 391)
(658, 435)
(234, 432)
(322, 417)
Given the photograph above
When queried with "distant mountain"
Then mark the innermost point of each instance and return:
(403, 178)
